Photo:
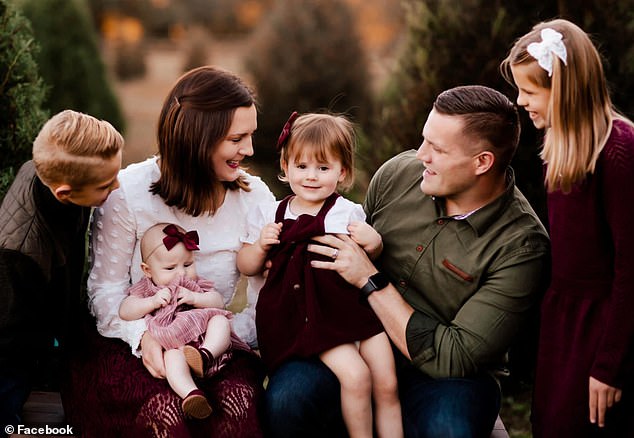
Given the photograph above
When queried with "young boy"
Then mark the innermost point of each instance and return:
(43, 222)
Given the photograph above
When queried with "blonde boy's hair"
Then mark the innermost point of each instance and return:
(580, 110)
(320, 136)
(71, 145)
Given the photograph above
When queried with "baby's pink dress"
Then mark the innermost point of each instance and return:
(174, 326)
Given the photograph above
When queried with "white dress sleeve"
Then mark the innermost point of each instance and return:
(257, 218)
(112, 243)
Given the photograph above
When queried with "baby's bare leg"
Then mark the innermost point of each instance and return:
(218, 335)
(356, 388)
(178, 373)
(377, 354)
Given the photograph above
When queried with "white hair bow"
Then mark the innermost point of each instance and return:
(543, 51)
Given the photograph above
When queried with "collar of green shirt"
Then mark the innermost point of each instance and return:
(481, 218)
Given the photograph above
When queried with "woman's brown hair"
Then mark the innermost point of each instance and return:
(195, 118)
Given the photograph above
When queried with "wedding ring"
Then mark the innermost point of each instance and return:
(335, 254)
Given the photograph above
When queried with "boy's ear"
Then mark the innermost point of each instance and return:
(146, 270)
(342, 175)
(62, 192)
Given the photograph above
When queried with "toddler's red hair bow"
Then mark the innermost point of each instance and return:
(286, 130)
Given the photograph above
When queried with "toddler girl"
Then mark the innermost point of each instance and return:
(304, 312)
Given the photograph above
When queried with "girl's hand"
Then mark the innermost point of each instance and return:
(269, 236)
(602, 397)
(185, 296)
(367, 237)
(162, 298)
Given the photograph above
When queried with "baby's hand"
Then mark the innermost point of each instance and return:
(162, 298)
(185, 296)
(366, 237)
(269, 235)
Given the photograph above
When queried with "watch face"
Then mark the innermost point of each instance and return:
(379, 280)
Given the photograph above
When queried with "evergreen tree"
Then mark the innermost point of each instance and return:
(21, 93)
(610, 24)
(449, 43)
(70, 61)
(306, 57)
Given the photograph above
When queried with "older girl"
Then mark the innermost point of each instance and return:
(584, 383)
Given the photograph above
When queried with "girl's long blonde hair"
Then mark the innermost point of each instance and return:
(580, 110)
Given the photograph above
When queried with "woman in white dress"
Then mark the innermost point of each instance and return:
(204, 132)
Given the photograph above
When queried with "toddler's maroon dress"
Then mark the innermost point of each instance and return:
(303, 311)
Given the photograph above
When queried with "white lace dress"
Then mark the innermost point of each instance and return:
(119, 225)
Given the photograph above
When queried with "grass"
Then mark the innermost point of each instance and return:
(515, 411)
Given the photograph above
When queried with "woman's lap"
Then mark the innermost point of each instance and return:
(110, 393)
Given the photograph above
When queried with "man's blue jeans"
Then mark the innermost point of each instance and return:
(302, 399)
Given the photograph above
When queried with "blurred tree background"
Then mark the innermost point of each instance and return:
(21, 93)
(70, 61)
(382, 62)
(305, 58)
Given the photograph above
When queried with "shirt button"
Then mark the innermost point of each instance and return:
(306, 320)
(440, 221)
(419, 248)
(296, 287)
(402, 283)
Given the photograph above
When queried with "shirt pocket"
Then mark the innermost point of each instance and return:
(458, 272)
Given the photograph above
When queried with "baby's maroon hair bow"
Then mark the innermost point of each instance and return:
(174, 235)
(286, 130)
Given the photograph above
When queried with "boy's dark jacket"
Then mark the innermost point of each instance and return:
(42, 256)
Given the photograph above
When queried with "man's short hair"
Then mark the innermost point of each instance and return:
(71, 145)
(488, 116)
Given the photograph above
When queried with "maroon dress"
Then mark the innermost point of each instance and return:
(587, 315)
(303, 311)
(109, 393)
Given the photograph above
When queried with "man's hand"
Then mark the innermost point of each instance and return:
(602, 397)
(353, 264)
(349, 259)
(152, 355)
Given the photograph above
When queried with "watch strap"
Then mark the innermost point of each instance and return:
(375, 282)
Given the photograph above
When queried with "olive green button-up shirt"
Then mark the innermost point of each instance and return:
(471, 281)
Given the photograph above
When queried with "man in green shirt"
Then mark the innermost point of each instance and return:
(464, 259)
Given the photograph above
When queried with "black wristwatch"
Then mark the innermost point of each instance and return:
(376, 282)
